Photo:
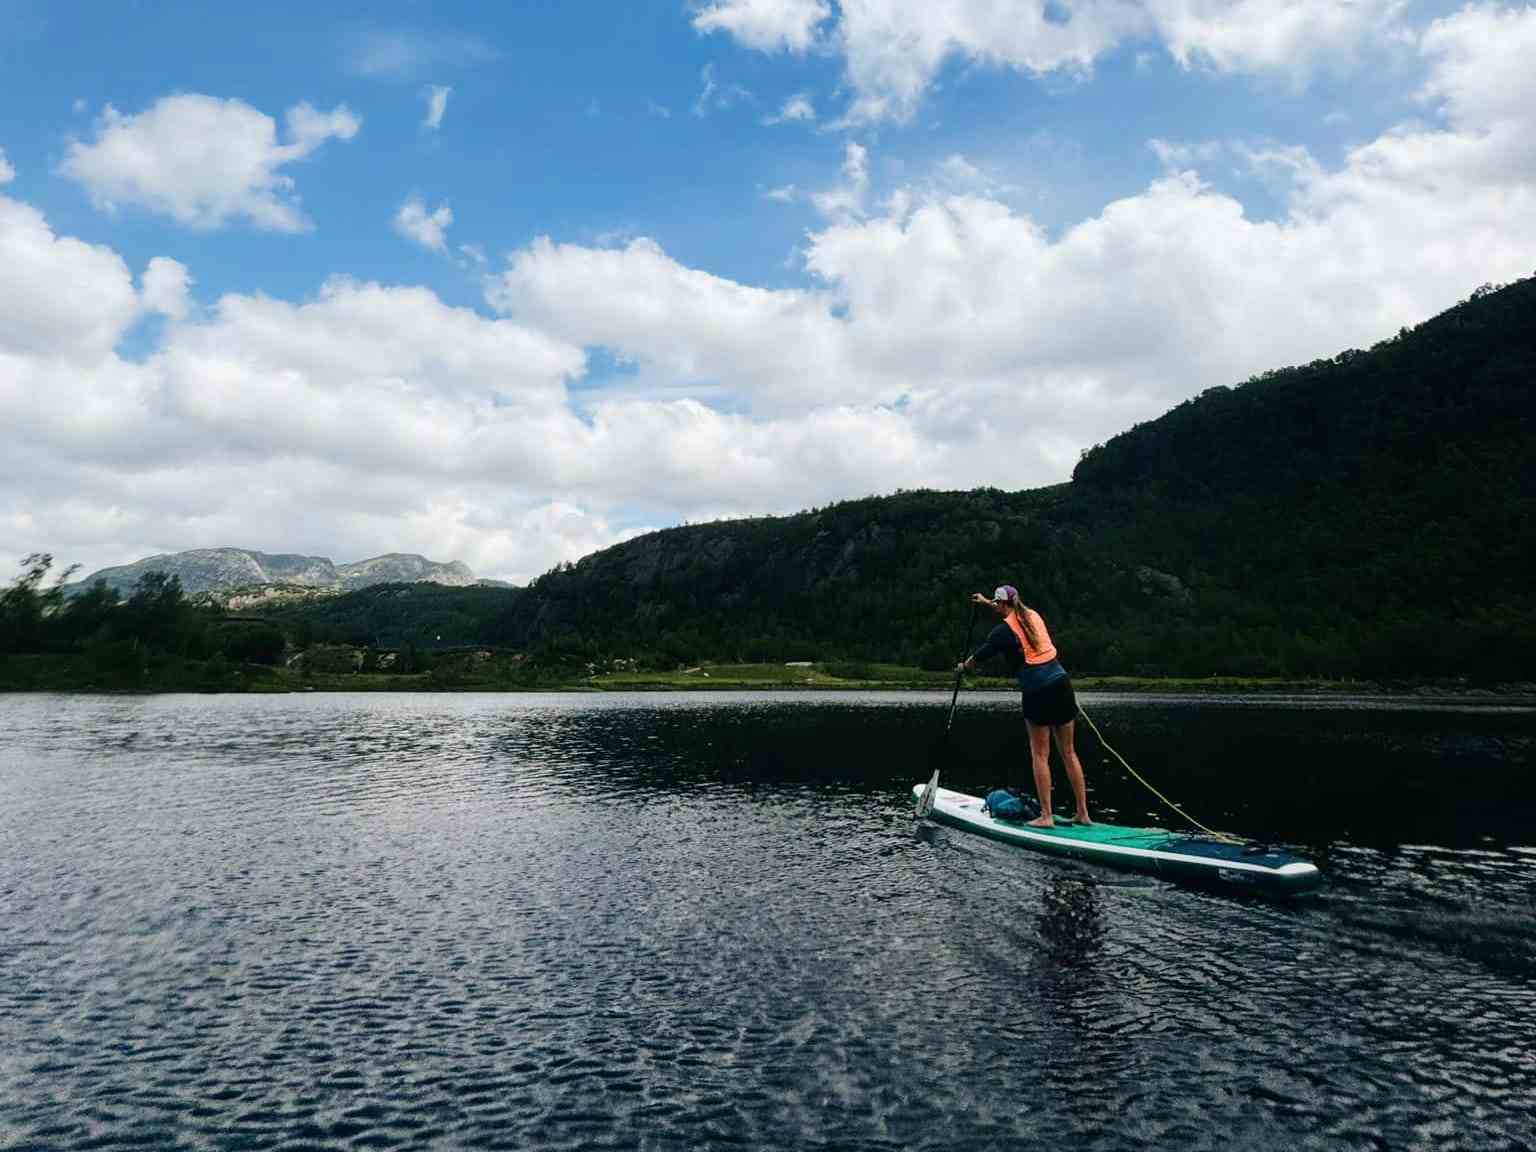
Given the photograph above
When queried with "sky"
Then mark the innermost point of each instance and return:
(510, 283)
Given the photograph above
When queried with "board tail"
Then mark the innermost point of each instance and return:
(930, 793)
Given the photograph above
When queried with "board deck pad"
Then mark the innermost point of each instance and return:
(1175, 855)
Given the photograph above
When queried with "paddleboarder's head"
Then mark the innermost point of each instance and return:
(1004, 600)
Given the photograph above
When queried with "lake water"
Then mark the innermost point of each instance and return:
(700, 921)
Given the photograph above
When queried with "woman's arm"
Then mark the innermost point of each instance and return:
(1000, 639)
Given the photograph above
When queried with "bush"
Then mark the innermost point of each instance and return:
(251, 643)
(332, 658)
(850, 670)
(936, 659)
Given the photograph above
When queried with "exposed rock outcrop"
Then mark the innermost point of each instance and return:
(240, 570)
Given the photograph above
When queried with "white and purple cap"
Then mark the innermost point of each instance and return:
(1005, 594)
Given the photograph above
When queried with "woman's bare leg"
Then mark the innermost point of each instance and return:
(1064, 734)
(1040, 755)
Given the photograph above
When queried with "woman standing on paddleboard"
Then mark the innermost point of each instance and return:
(1050, 708)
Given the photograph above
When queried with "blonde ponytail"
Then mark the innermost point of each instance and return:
(1022, 614)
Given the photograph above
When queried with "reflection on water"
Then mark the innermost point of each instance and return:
(682, 922)
(1071, 923)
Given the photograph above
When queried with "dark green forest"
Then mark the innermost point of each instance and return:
(1364, 517)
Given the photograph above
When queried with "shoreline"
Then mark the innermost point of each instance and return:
(63, 675)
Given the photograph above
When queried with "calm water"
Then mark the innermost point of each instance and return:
(668, 921)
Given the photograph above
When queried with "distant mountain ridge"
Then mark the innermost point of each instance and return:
(223, 570)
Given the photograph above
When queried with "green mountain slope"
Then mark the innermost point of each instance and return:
(421, 615)
(1378, 505)
(1369, 515)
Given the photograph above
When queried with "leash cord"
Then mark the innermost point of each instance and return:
(1147, 784)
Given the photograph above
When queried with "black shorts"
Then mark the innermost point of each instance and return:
(1052, 705)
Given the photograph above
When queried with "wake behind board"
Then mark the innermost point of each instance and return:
(1167, 854)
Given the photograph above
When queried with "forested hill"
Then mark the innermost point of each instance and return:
(1369, 515)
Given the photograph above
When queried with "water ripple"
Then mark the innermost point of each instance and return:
(665, 922)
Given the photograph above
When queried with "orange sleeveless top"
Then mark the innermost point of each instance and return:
(1042, 653)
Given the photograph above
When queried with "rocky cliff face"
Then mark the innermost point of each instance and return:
(222, 570)
(404, 568)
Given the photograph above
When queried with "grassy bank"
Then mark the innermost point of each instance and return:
(479, 672)
(49, 672)
(61, 673)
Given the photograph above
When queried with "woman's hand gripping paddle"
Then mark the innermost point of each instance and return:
(930, 793)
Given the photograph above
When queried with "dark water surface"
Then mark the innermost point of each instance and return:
(699, 921)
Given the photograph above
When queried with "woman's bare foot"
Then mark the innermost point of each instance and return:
(1081, 818)
(1042, 822)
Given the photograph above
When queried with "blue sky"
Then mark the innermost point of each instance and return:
(581, 120)
(554, 125)
(715, 258)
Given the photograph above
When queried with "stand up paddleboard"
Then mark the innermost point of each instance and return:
(1168, 854)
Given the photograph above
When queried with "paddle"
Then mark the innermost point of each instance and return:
(925, 802)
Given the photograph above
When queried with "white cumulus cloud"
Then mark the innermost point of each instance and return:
(203, 161)
(847, 198)
(59, 297)
(699, 328)
(893, 49)
(768, 25)
(797, 107)
(1286, 37)
(1483, 64)
(166, 288)
(365, 419)
(429, 229)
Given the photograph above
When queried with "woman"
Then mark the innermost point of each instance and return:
(1050, 708)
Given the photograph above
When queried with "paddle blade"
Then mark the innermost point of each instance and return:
(930, 793)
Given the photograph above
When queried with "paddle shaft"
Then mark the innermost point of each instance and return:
(954, 700)
(925, 804)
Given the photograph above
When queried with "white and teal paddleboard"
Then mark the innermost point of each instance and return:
(1169, 854)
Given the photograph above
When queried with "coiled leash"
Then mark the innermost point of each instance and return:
(1223, 836)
